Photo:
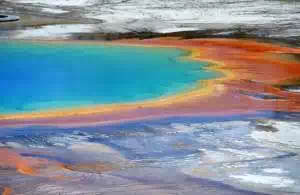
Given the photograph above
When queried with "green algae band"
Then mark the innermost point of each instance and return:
(40, 76)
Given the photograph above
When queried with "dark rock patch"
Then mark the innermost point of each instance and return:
(8, 18)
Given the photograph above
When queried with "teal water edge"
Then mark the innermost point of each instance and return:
(41, 76)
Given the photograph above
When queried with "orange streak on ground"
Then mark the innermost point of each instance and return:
(240, 61)
(9, 158)
(7, 191)
(24, 169)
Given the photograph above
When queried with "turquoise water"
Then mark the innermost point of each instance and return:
(38, 76)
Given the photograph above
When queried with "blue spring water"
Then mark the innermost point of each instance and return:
(39, 76)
